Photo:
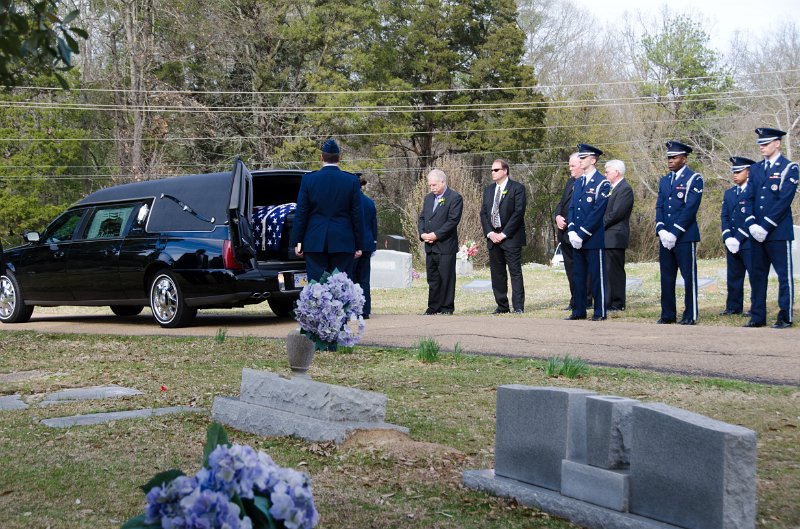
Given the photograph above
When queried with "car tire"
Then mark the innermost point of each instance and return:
(281, 307)
(126, 311)
(12, 305)
(167, 302)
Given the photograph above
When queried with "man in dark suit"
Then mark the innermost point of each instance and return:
(328, 227)
(562, 212)
(503, 222)
(438, 229)
(736, 216)
(679, 196)
(774, 183)
(363, 268)
(617, 221)
(586, 232)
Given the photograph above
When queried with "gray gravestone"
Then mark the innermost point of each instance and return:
(479, 285)
(90, 393)
(100, 418)
(464, 267)
(538, 427)
(12, 402)
(609, 430)
(390, 269)
(606, 488)
(692, 471)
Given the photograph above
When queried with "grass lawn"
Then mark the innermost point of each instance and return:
(87, 477)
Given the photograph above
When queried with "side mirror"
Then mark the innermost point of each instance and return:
(31, 236)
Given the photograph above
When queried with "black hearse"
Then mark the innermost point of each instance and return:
(180, 244)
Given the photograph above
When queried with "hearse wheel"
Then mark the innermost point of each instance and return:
(281, 307)
(167, 303)
(12, 307)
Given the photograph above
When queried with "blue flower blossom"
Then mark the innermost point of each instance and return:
(325, 310)
(163, 503)
(208, 509)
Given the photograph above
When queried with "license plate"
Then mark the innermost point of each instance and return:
(300, 280)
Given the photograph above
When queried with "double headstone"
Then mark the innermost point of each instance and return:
(651, 464)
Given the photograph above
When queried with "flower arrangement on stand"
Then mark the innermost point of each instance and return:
(237, 488)
(329, 311)
(467, 250)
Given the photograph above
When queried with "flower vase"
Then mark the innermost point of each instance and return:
(300, 350)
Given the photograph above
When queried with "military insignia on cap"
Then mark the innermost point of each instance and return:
(739, 163)
(674, 148)
(767, 135)
(680, 195)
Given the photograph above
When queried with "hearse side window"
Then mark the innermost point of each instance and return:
(109, 222)
(63, 228)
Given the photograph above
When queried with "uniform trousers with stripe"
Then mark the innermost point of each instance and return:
(779, 255)
(682, 257)
(589, 263)
(738, 265)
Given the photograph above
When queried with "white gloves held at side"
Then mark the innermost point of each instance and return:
(574, 240)
(758, 232)
(732, 244)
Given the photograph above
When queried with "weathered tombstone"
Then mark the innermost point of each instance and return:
(397, 243)
(390, 269)
(464, 267)
(692, 471)
(537, 428)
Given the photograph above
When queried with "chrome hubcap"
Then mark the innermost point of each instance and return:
(8, 297)
(164, 299)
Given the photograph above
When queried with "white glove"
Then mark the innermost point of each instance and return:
(758, 232)
(732, 244)
(670, 241)
(574, 240)
(661, 235)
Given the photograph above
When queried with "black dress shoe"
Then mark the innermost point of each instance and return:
(519, 311)
(365, 316)
(687, 321)
(430, 312)
(574, 317)
(752, 323)
(664, 321)
(445, 312)
(598, 318)
(728, 312)
(498, 310)
(781, 324)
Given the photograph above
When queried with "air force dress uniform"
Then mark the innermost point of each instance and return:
(585, 221)
(774, 185)
(735, 218)
(679, 196)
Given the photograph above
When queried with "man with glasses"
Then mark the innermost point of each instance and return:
(679, 196)
(774, 183)
(503, 222)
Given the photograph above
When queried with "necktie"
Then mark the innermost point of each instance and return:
(496, 209)
(766, 168)
(672, 178)
(738, 191)
(435, 203)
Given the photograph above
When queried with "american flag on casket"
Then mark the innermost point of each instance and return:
(268, 224)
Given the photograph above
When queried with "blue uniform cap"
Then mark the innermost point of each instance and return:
(740, 163)
(330, 146)
(767, 135)
(675, 148)
(584, 150)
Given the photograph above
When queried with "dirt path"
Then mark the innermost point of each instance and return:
(762, 355)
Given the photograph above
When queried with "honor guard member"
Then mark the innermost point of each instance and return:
(774, 182)
(586, 233)
(679, 196)
(735, 218)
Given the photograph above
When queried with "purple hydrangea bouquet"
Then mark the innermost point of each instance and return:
(329, 311)
(237, 488)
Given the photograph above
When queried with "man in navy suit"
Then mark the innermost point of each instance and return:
(679, 196)
(586, 232)
(503, 222)
(774, 182)
(736, 217)
(363, 268)
(438, 229)
(328, 227)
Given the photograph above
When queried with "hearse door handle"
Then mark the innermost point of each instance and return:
(58, 254)
(109, 253)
